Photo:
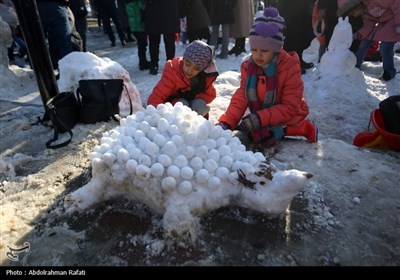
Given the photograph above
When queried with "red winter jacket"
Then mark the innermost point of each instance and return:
(174, 80)
(290, 107)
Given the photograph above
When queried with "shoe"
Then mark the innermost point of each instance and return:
(113, 44)
(306, 128)
(239, 51)
(307, 65)
(232, 51)
(303, 71)
(385, 77)
(144, 65)
(397, 51)
(123, 42)
(222, 56)
(153, 70)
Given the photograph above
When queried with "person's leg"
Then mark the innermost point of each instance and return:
(214, 36)
(200, 106)
(362, 51)
(386, 50)
(225, 42)
(141, 39)
(154, 46)
(169, 42)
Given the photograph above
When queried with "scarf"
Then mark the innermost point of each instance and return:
(269, 135)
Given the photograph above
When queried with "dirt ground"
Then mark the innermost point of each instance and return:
(333, 222)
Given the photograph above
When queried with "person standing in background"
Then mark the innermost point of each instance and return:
(161, 17)
(197, 20)
(298, 32)
(56, 27)
(221, 14)
(244, 18)
(108, 10)
(78, 8)
(134, 10)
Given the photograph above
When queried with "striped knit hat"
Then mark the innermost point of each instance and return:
(199, 53)
(267, 31)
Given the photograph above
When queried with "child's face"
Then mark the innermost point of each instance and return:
(262, 57)
(190, 69)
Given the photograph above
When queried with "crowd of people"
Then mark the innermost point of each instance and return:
(271, 84)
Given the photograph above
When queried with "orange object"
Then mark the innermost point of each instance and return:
(380, 138)
(392, 140)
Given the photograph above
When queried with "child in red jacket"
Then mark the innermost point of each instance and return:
(188, 79)
(271, 87)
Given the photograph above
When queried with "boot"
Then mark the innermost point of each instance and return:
(153, 70)
(306, 128)
(144, 64)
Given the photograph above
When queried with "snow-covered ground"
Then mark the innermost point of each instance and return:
(349, 213)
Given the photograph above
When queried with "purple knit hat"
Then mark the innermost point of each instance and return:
(199, 53)
(267, 31)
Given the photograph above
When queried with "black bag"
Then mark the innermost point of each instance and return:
(390, 110)
(99, 99)
(63, 111)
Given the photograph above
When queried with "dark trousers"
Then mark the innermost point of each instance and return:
(154, 45)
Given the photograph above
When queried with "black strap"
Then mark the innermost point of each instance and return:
(117, 117)
(57, 121)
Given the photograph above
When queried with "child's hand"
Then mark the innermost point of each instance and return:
(249, 123)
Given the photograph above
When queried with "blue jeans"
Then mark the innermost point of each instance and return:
(386, 50)
(56, 28)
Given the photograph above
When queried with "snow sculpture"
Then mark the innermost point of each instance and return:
(85, 65)
(338, 61)
(182, 166)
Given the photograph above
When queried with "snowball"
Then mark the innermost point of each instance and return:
(143, 172)
(184, 126)
(214, 154)
(144, 126)
(201, 152)
(215, 133)
(94, 155)
(224, 150)
(211, 165)
(98, 165)
(221, 141)
(135, 153)
(173, 171)
(162, 125)
(173, 129)
(202, 131)
(143, 142)
(160, 140)
(138, 135)
(152, 132)
(131, 166)
(139, 116)
(226, 161)
(109, 158)
(190, 138)
(157, 169)
(202, 176)
(185, 188)
(214, 183)
(222, 172)
(181, 161)
(164, 159)
(144, 160)
(196, 163)
(169, 148)
(168, 183)
(123, 155)
(186, 173)
(188, 152)
(211, 144)
(151, 148)
(177, 139)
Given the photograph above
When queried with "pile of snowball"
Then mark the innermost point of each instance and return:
(182, 166)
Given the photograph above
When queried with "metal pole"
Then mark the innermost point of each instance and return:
(39, 56)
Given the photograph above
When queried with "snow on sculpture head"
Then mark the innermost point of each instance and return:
(182, 166)
(342, 36)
